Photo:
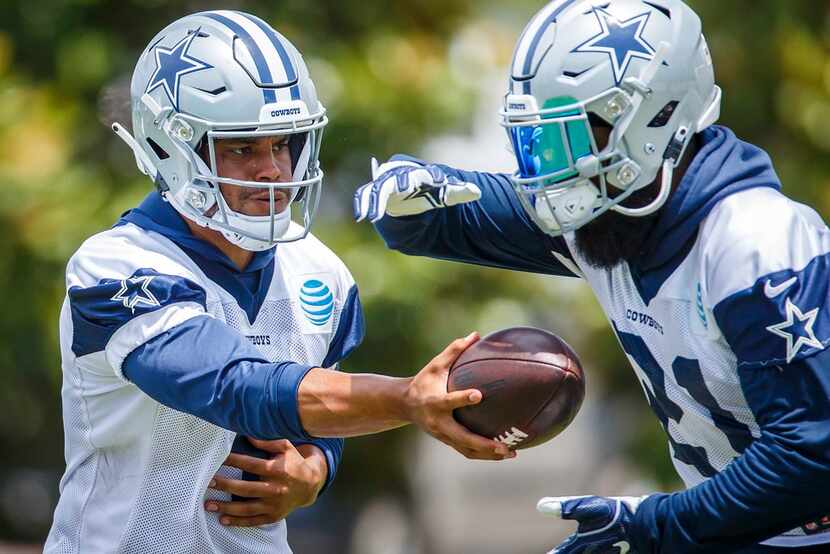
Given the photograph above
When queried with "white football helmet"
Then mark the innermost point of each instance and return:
(217, 75)
(641, 67)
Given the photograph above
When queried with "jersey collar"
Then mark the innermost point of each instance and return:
(155, 214)
(723, 166)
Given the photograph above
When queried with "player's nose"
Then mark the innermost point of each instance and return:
(266, 169)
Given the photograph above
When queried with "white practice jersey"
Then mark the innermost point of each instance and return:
(137, 471)
(687, 368)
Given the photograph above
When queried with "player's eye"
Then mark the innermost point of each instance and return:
(281, 145)
(241, 150)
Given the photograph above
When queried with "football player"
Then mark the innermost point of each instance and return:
(715, 283)
(207, 316)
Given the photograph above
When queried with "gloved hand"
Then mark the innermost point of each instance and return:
(402, 188)
(603, 522)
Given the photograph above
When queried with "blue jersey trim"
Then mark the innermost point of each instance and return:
(205, 368)
(99, 311)
(351, 329)
(723, 166)
(791, 326)
(249, 287)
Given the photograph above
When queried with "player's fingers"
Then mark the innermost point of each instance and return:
(374, 196)
(375, 165)
(461, 398)
(476, 455)
(455, 348)
(463, 438)
(278, 446)
(559, 506)
(248, 489)
(255, 521)
(242, 509)
(380, 204)
(360, 203)
(250, 464)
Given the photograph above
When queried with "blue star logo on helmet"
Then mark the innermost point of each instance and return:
(172, 64)
(623, 41)
(317, 302)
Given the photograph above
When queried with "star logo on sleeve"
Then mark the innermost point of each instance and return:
(136, 291)
(623, 41)
(797, 330)
(172, 64)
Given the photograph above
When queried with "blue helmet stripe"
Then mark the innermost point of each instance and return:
(286, 60)
(538, 37)
(269, 95)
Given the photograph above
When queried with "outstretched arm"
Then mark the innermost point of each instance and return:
(494, 231)
(231, 385)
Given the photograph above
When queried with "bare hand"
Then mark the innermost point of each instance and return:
(430, 406)
(288, 481)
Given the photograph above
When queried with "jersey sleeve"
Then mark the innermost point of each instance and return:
(122, 297)
(350, 331)
(767, 274)
(228, 383)
(495, 231)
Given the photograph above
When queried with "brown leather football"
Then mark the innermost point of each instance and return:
(531, 381)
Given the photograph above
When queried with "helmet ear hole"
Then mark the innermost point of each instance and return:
(160, 153)
(296, 143)
(601, 130)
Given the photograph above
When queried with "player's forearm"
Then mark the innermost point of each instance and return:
(762, 494)
(336, 404)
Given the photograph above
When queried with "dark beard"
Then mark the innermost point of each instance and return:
(614, 238)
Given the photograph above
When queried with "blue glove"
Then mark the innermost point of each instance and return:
(603, 522)
(403, 188)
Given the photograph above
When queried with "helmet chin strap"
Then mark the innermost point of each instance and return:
(675, 147)
(670, 159)
(665, 190)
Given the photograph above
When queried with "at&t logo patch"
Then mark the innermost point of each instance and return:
(317, 302)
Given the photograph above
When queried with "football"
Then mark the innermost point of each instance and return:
(531, 381)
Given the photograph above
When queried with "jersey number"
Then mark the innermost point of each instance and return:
(688, 374)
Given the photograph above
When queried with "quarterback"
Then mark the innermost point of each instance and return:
(200, 335)
(716, 284)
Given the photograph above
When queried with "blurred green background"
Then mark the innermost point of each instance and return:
(394, 75)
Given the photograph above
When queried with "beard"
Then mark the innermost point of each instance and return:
(614, 238)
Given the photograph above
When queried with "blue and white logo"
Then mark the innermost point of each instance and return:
(134, 292)
(317, 302)
(171, 64)
(621, 40)
(701, 311)
(797, 330)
